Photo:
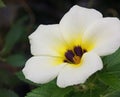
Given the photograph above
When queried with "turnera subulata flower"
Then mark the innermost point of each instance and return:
(71, 50)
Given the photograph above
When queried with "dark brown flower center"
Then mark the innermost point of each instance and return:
(74, 56)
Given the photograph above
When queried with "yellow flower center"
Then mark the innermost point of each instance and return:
(74, 56)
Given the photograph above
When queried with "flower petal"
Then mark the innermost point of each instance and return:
(74, 22)
(46, 40)
(105, 35)
(42, 69)
(71, 75)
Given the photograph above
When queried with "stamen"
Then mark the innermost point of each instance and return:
(74, 56)
(78, 51)
(69, 55)
(76, 59)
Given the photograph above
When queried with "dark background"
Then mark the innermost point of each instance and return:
(18, 19)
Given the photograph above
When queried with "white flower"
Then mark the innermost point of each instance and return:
(71, 50)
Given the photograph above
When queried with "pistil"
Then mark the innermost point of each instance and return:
(76, 59)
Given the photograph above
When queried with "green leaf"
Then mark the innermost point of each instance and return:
(49, 90)
(16, 60)
(112, 59)
(112, 63)
(110, 75)
(2, 4)
(81, 94)
(113, 94)
(7, 79)
(7, 93)
(110, 80)
(13, 36)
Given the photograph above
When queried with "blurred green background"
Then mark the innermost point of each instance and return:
(18, 19)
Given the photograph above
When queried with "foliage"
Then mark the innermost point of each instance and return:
(2, 4)
(17, 60)
(7, 93)
(13, 36)
(49, 90)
